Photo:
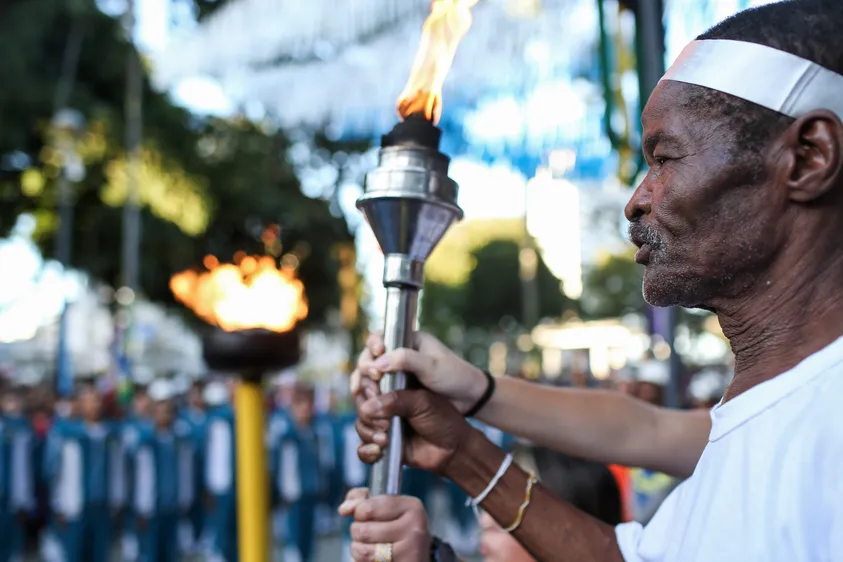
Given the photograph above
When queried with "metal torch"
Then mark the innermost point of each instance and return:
(409, 202)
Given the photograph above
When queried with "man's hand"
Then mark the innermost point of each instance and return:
(396, 520)
(438, 430)
(435, 366)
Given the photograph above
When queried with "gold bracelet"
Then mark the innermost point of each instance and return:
(531, 481)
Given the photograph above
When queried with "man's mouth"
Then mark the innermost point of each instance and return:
(647, 240)
(642, 256)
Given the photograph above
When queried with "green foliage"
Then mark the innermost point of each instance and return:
(210, 185)
(613, 288)
(493, 291)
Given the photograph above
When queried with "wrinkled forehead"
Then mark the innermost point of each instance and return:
(673, 107)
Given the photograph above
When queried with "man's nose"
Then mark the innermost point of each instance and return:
(640, 202)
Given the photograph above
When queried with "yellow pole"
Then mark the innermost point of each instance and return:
(252, 477)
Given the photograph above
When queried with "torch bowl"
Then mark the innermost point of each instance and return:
(251, 351)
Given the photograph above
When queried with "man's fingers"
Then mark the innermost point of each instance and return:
(354, 497)
(369, 453)
(375, 532)
(366, 366)
(408, 360)
(365, 363)
(384, 509)
(372, 422)
(357, 494)
(402, 403)
(376, 433)
(366, 359)
(354, 382)
(374, 344)
(369, 388)
(361, 552)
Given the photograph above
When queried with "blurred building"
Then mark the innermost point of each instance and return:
(159, 341)
(596, 347)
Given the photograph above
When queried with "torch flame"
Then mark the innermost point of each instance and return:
(447, 24)
(253, 294)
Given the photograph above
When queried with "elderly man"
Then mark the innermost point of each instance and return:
(739, 214)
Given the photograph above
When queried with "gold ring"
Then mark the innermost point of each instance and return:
(383, 552)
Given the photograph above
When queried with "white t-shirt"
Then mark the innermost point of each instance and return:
(768, 485)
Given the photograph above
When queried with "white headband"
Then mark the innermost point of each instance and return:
(762, 75)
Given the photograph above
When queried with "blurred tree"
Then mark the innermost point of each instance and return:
(208, 185)
(492, 292)
(441, 309)
(613, 288)
(494, 288)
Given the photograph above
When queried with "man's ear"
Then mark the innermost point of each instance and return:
(811, 158)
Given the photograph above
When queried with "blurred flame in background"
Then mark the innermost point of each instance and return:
(253, 293)
(447, 24)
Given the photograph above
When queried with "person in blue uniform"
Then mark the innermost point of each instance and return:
(163, 474)
(325, 424)
(62, 474)
(40, 414)
(137, 422)
(194, 415)
(17, 498)
(219, 474)
(297, 476)
(278, 427)
(78, 458)
(118, 472)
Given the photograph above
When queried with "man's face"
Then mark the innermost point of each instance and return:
(163, 412)
(142, 404)
(90, 405)
(284, 396)
(67, 407)
(707, 225)
(302, 408)
(11, 404)
(194, 398)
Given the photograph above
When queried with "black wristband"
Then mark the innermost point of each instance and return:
(490, 390)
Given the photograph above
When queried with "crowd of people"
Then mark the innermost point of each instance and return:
(88, 478)
(153, 477)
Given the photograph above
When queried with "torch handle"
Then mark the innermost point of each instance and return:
(399, 324)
